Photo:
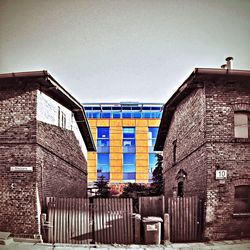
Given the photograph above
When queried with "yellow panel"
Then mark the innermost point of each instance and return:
(128, 123)
(115, 163)
(115, 123)
(91, 176)
(115, 156)
(91, 163)
(115, 177)
(115, 149)
(154, 123)
(141, 122)
(142, 177)
(116, 169)
(141, 163)
(141, 156)
(142, 150)
(102, 123)
(91, 156)
(92, 123)
(143, 143)
(115, 136)
(115, 143)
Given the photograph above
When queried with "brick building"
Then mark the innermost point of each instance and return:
(205, 137)
(44, 139)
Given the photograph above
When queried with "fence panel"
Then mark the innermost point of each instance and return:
(113, 220)
(152, 206)
(69, 221)
(185, 219)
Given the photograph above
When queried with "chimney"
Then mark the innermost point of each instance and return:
(229, 62)
(223, 66)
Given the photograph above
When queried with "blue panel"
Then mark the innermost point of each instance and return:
(128, 158)
(146, 115)
(105, 174)
(128, 176)
(152, 159)
(126, 115)
(103, 162)
(152, 132)
(137, 115)
(106, 115)
(116, 114)
(128, 132)
(103, 132)
(96, 115)
(155, 108)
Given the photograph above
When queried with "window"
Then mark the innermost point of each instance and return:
(152, 134)
(241, 125)
(151, 165)
(128, 141)
(180, 189)
(103, 139)
(61, 118)
(242, 199)
(103, 165)
(128, 167)
(174, 151)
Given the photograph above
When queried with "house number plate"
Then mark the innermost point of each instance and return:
(221, 174)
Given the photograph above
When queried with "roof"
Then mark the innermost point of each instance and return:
(53, 89)
(194, 81)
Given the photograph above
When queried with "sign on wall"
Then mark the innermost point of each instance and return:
(221, 174)
(21, 169)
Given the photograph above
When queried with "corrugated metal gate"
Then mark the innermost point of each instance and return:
(77, 221)
(185, 219)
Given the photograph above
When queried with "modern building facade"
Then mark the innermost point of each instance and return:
(205, 138)
(44, 141)
(125, 134)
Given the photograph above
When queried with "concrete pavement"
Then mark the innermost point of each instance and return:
(216, 245)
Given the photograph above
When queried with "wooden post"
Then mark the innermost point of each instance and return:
(137, 228)
(166, 225)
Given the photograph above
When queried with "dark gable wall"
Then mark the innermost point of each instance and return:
(187, 127)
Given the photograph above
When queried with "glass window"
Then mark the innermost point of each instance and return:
(126, 115)
(103, 139)
(128, 167)
(151, 165)
(96, 115)
(152, 134)
(146, 115)
(116, 114)
(103, 165)
(241, 125)
(128, 140)
(242, 199)
(137, 115)
(106, 115)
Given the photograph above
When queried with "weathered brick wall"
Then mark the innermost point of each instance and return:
(187, 128)
(63, 165)
(226, 153)
(59, 166)
(18, 213)
(210, 147)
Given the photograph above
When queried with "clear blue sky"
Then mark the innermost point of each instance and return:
(122, 50)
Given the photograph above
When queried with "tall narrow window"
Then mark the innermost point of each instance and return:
(174, 151)
(128, 164)
(103, 165)
(241, 124)
(128, 171)
(180, 189)
(242, 199)
(152, 134)
(151, 165)
(128, 141)
(103, 140)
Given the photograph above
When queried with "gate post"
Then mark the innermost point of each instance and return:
(166, 226)
(137, 228)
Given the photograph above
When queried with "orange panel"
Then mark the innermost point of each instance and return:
(141, 156)
(128, 122)
(142, 142)
(102, 123)
(115, 156)
(141, 163)
(141, 122)
(115, 149)
(115, 163)
(115, 123)
(142, 150)
(154, 122)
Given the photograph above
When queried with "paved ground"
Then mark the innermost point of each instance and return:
(217, 245)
